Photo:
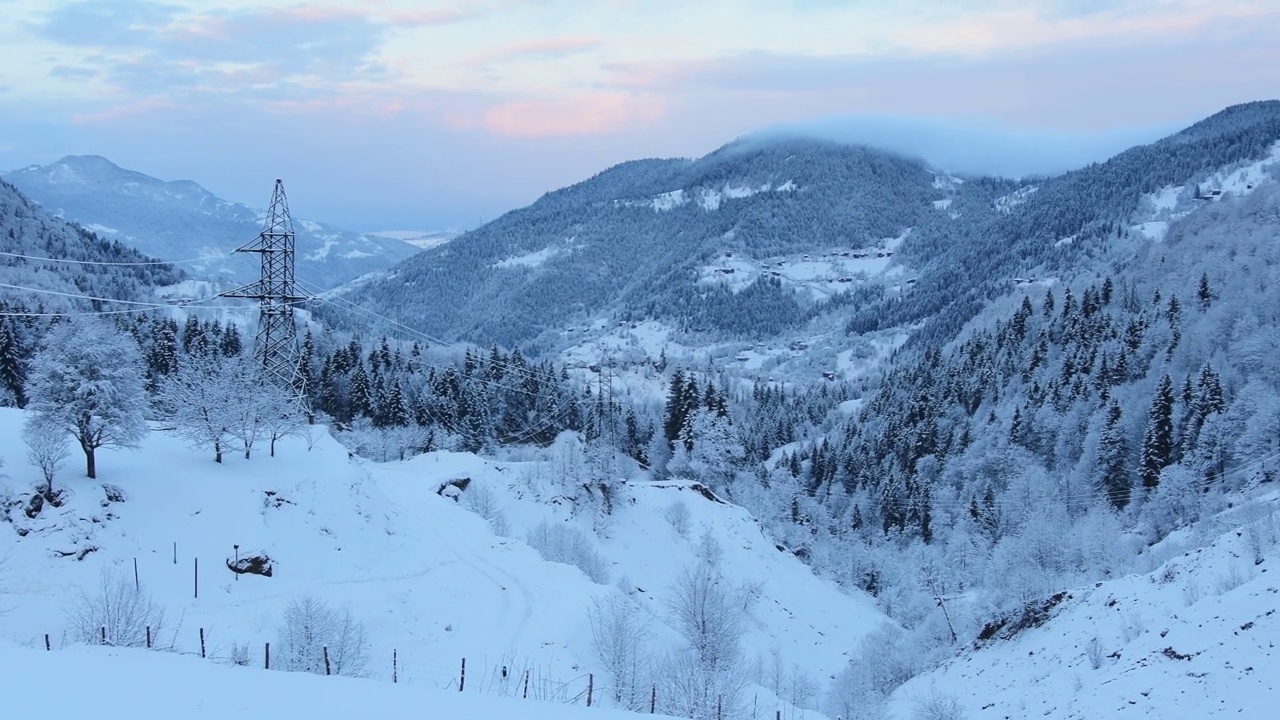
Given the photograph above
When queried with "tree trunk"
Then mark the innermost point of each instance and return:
(273, 445)
(91, 467)
(217, 451)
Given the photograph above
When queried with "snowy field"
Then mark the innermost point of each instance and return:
(142, 685)
(429, 578)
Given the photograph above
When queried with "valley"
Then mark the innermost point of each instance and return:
(795, 429)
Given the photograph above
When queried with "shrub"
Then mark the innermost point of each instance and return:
(310, 628)
(564, 544)
(118, 613)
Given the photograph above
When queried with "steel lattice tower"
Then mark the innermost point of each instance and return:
(276, 345)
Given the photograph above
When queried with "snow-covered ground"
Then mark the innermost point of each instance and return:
(119, 682)
(1194, 638)
(819, 274)
(429, 579)
(1171, 203)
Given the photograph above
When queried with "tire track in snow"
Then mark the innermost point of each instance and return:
(447, 534)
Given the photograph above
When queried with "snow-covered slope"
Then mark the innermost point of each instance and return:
(1194, 638)
(181, 221)
(141, 685)
(428, 578)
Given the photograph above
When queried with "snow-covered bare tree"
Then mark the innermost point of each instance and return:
(312, 629)
(47, 447)
(620, 637)
(283, 415)
(707, 677)
(88, 381)
(201, 400)
(213, 399)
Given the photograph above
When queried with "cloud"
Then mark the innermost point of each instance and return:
(91, 23)
(1079, 84)
(431, 17)
(582, 114)
(153, 48)
(974, 145)
(546, 49)
(73, 73)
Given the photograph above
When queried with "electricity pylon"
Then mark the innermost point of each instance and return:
(276, 346)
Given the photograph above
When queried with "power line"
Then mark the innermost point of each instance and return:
(142, 306)
(79, 296)
(107, 263)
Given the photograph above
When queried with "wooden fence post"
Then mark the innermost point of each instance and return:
(202, 642)
(395, 671)
(462, 679)
(266, 656)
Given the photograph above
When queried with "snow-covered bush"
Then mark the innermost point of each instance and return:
(937, 706)
(387, 444)
(1177, 501)
(480, 500)
(885, 659)
(116, 613)
(564, 544)
(311, 628)
(677, 513)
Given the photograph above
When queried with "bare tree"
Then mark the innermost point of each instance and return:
(200, 400)
(284, 417)
(47, 448)
(312, 629)
(118, 613)
(709, 675)
(620, 638)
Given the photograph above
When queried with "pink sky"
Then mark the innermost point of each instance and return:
(383, 114)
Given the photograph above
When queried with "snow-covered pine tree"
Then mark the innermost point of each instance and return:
(1157, 444)
(1113, 458)
(13, 373)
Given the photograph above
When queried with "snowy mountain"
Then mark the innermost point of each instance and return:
(182, 221)
(783, 237)
(748, 242)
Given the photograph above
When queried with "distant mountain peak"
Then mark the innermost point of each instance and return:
(180, 220)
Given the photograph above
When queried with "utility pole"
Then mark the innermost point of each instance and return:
(275, 347)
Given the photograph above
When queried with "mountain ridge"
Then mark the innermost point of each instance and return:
(182, 221)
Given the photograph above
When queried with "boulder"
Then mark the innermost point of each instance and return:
(252, 563)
